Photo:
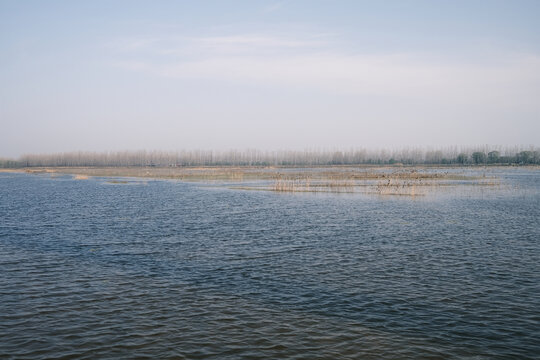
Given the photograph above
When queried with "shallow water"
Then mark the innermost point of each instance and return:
(157, 269)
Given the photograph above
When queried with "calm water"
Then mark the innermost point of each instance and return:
(163, 269)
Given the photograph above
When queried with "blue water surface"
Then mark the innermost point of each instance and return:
(165, 269)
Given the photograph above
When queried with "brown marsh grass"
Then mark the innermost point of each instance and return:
(308, 184)
(117, 182)
(412, 181)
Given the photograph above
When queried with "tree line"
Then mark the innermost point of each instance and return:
(405, 156)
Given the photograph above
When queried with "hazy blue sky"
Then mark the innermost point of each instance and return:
(114, 75)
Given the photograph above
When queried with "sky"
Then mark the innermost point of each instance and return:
(269, 75)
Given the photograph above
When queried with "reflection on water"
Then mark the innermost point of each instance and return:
(172, 269)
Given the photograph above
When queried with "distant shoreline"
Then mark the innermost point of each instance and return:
(480, 156)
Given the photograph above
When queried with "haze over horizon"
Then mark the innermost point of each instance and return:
(116, 75)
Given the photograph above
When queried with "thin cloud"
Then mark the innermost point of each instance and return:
(386, 75)
(131, 44)
(255, 40)
(203, 47)
(311, 62)
(273, 7)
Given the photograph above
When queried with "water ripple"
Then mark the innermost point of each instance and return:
(183, 271)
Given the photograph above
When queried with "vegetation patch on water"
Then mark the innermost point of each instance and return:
(381, 180)
(378, 182)
(125, 182)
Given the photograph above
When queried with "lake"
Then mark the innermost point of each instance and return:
(147, 268)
